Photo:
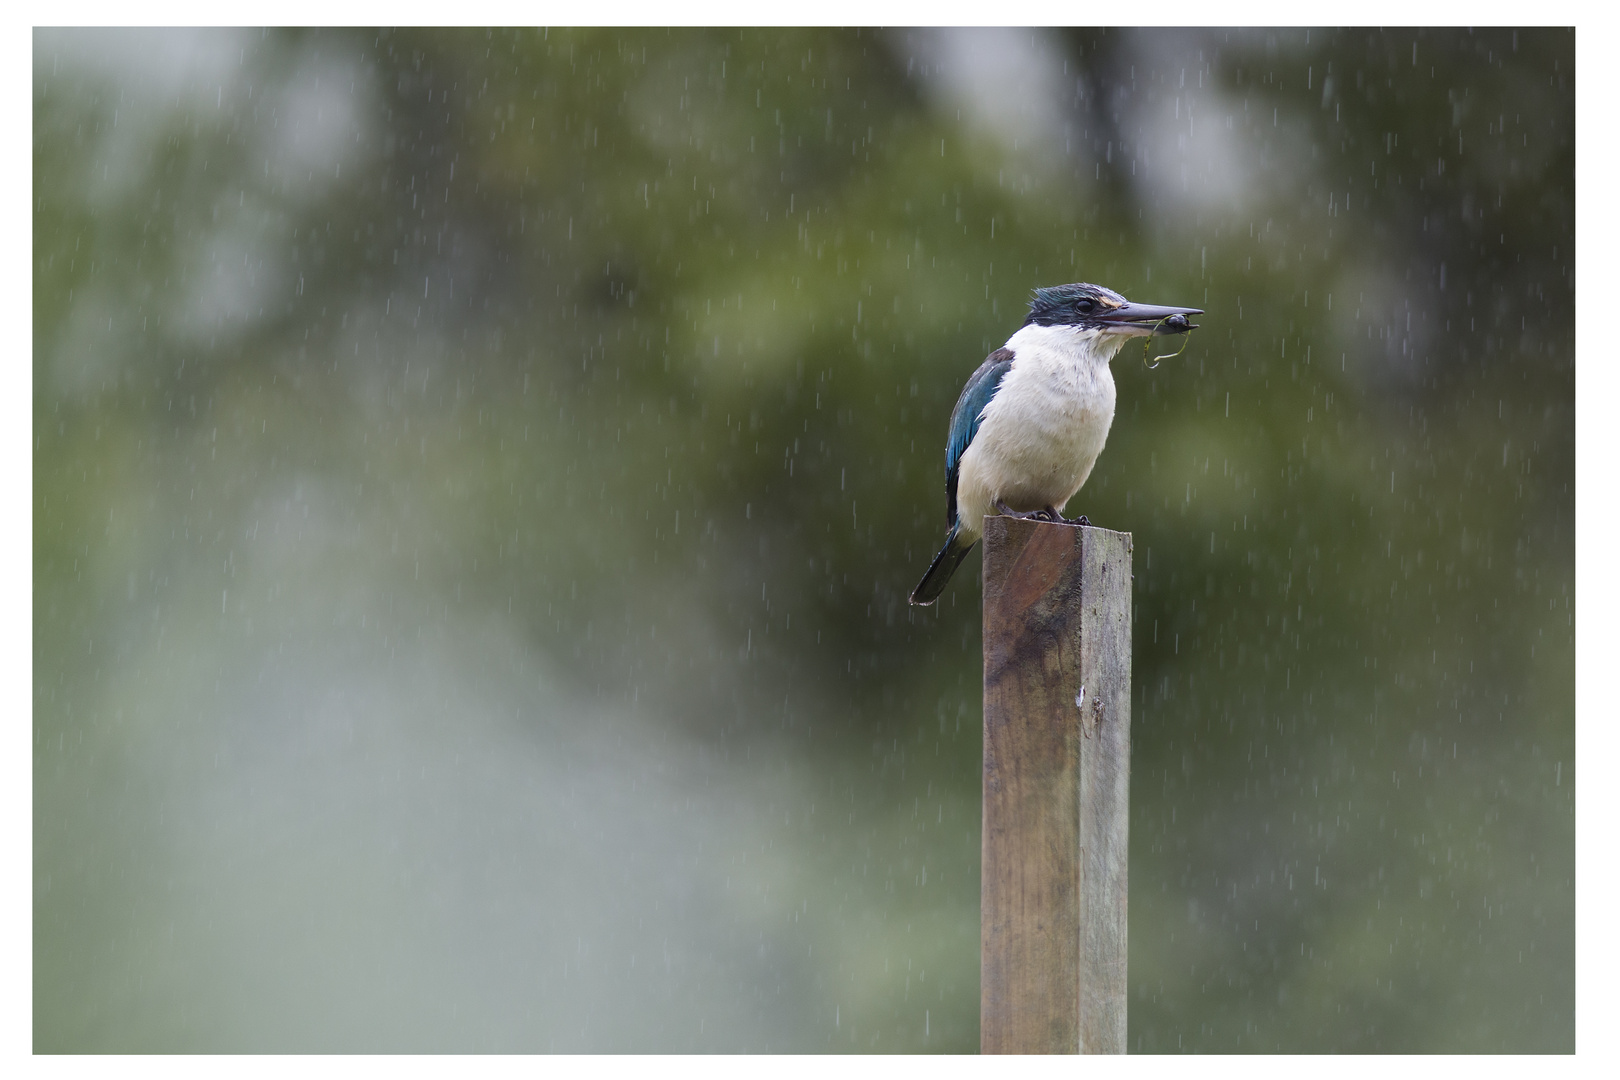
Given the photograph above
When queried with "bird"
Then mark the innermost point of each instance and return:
(1033, 418)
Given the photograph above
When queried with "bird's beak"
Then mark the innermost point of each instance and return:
(1141, 320)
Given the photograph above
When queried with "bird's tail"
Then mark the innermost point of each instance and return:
(944, 565)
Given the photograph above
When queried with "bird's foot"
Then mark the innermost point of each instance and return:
(1051, 513)
(1022, 515)
(1045, 513)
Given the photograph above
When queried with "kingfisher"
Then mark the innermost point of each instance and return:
(1032, 420)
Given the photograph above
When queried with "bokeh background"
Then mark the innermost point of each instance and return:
(477, 479)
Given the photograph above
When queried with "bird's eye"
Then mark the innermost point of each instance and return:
(1085, 306)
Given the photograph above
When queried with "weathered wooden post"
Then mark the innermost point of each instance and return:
(1057, 755)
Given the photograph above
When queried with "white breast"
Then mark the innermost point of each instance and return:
(1043, 430)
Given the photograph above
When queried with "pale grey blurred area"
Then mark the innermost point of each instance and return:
(325, 815)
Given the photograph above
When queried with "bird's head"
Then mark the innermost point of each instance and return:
(1092, 307)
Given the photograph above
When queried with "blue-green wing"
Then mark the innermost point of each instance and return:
(980, 388)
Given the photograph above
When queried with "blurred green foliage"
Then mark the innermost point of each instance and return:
(626, 356)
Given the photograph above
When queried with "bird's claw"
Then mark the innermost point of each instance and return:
(1060, 519)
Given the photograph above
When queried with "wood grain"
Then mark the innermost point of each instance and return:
(1057, 617)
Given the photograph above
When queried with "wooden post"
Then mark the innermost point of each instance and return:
(1057, 756)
